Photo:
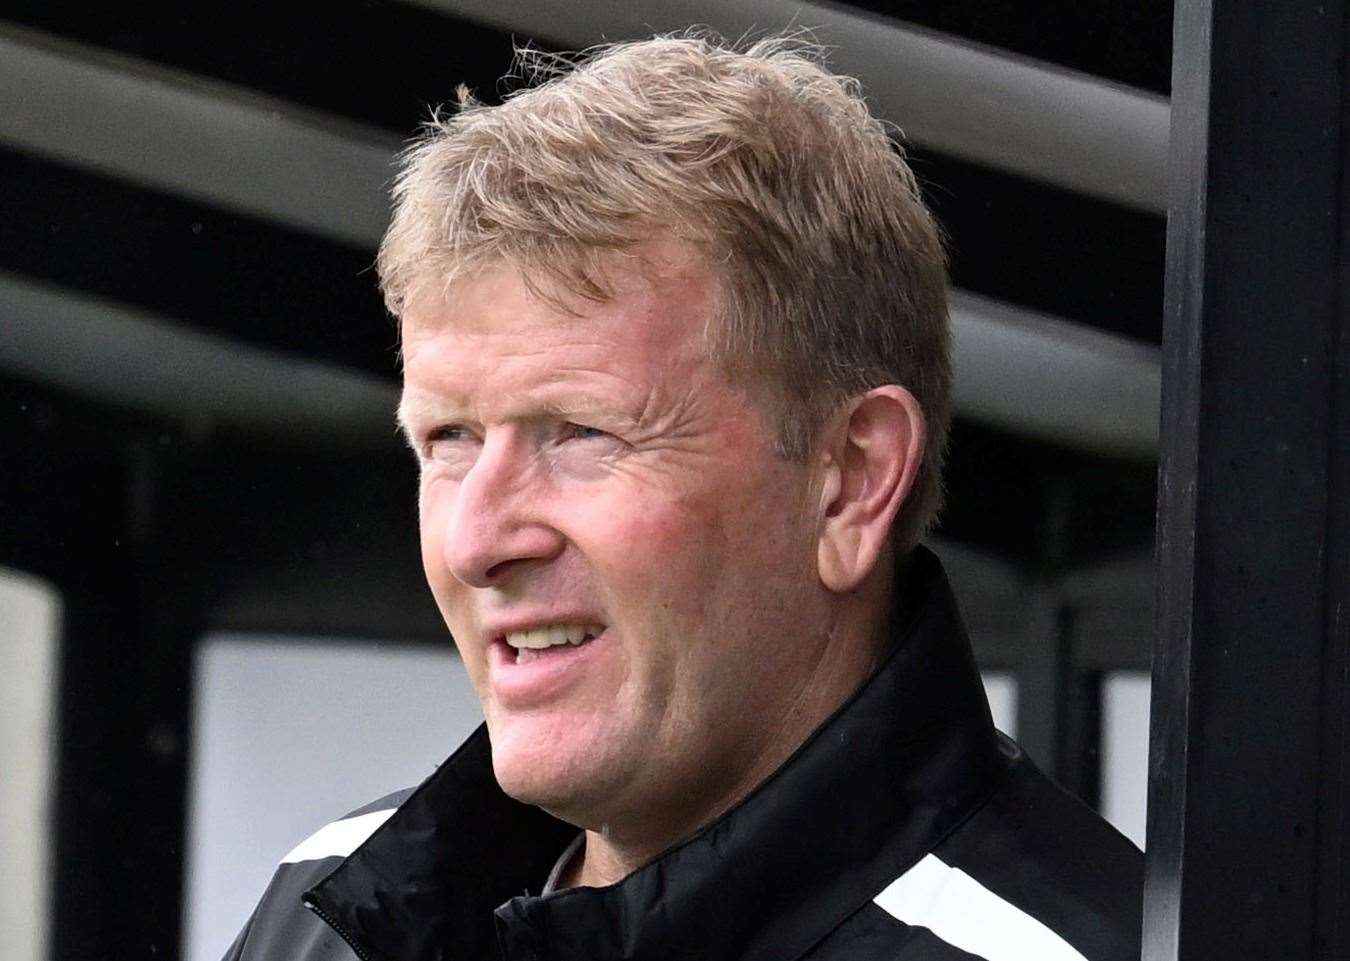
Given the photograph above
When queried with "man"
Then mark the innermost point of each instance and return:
(676, 375)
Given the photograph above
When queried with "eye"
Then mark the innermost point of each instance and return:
(582, 432)
(444, 440)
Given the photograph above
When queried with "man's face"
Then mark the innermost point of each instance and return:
(596, 478)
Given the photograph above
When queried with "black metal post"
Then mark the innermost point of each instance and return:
(125, 668)
(1248, 855)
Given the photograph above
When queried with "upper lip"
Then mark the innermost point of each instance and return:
(498, 629)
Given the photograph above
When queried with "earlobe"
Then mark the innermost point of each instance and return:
(879, 446)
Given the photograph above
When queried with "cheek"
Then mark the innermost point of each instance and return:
(734, 561)
(632, 550)
(641, 533)
(662, 563)
(642, 554)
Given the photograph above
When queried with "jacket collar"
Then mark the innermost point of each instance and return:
(909, 757)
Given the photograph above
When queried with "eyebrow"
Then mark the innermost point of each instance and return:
(430, 407)
(425, 407)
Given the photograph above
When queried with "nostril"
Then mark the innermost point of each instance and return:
(492, 551)
(493, 572)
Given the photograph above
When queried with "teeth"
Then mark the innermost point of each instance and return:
(551, 636)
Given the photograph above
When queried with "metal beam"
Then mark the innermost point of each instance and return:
(178, 132)
(1012, 113)
(131, 359)
(1058, 381)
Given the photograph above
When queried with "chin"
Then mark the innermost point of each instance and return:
(568, 780)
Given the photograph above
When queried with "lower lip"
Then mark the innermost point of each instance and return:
(543, 678)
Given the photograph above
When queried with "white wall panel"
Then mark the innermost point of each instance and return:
(289, 735)
(29, 619)
(1124, 788)
(1001, 689)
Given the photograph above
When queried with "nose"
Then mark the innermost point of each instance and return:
(495, 529)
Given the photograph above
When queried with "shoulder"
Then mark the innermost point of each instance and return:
(1033, 873)
(339, 838)
(281, 927)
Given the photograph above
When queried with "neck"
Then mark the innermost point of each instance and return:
(598, 864)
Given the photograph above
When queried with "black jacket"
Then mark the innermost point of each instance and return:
(905, 829)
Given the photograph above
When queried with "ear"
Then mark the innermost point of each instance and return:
(872, 455)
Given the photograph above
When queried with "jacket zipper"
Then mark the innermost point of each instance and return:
(360, 951)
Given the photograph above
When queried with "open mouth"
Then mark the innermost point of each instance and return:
(549, 641)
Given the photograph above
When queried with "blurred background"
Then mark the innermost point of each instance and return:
(214, 636)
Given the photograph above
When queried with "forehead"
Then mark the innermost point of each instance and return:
(655, 274)
(492, 336)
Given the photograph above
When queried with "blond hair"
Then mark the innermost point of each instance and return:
(831, 275)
